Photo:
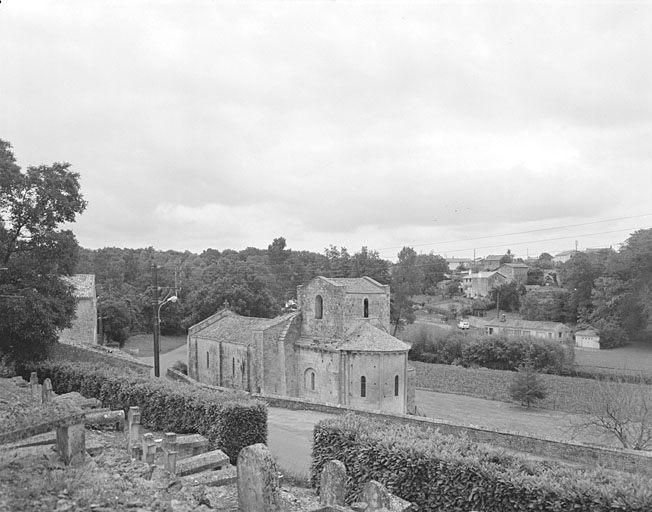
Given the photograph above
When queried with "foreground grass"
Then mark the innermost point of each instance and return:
(144, 344)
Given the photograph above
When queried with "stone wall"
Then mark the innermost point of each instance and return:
(330, 325)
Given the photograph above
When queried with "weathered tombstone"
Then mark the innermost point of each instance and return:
(375, 496)
(133, 419)
(71, 443)
(258, 480)
(170, 452)
(35, 387)
(47, 391)
(148, 448)
(332, 490)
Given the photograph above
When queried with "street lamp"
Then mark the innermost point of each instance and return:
(157, 335)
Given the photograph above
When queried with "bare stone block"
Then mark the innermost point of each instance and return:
(148, 448)
(375, 496)
(332, 490)
(71, 443)
(258, 485)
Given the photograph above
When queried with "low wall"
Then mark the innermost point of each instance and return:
(97, 354)
(621, 460)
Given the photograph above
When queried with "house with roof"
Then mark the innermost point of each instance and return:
(477, 285)
(563, 256)
(522, 328)
(459, 263)
(514, 272)
(492, 261)
(84, 325)
(335, 348)
(587, 338)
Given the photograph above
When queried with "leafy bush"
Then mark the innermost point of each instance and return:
(230, 422)
(181, 367)
(439, 472)
(496, 352)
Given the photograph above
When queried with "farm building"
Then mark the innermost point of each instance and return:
(513, 327)
(587, 338)
(336, 348)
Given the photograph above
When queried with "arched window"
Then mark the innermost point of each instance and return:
(319, 307)
(366, 308)
(396, 386)
(363, 386)
(309, 379)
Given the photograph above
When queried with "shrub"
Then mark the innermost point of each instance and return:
(230, 422)
(181, 367)
(439, 472)
(527, 387)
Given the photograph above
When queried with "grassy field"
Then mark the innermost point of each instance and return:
(629, 359)
(142, 345)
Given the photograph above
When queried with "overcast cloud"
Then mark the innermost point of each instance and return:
(435, 125)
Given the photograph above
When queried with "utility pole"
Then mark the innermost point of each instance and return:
(157, 364)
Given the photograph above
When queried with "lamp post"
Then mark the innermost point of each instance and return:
(156, 307)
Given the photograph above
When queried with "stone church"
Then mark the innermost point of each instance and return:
(336, 348)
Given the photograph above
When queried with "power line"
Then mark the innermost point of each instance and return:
(517, 233)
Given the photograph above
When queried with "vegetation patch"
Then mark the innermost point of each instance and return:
(439, 472)
(230, 422)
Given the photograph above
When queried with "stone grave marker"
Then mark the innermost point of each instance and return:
(258, 484)
(375, 496)
(332, 490)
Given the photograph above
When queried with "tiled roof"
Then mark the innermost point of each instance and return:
(233, 328)
(365, 337)
(356, 284)
(515, 265)
(523, 324)
(84, 285)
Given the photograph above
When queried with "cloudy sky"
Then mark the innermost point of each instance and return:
(445, 126)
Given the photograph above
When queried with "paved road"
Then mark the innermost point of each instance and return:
(289, 437)
(168, 359)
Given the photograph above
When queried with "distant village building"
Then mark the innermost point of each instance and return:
(514, 272)
(336, 348)
(459, 263)
(563, 257)
(492, 261)
(587, 338)
(84, 325)
(519, 328)
(480, 284)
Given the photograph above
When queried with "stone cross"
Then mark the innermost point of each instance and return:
(170, 452)
(35, 387)
(133, 421)
(258, 485)
(148, 448)
(332, 490)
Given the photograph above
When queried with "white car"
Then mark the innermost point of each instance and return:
(463, 325)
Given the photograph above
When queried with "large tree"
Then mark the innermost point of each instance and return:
(407, 278)
(35, 254)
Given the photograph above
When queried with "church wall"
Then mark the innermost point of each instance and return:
(207, 365)
(331, 323)
(273, 360)
(234, 366)
(326, 367)
(84, 325)
(291, 355)
(379, 371)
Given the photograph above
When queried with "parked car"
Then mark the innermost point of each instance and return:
(463, 325)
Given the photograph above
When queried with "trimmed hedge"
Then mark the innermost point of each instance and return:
(439, 472)
(229, 422)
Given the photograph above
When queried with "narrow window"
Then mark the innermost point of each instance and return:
(312, 381)
(366, 308)
(363, 386)
(233, 366)
(319, 307)
(396, 386)
(208, 360)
